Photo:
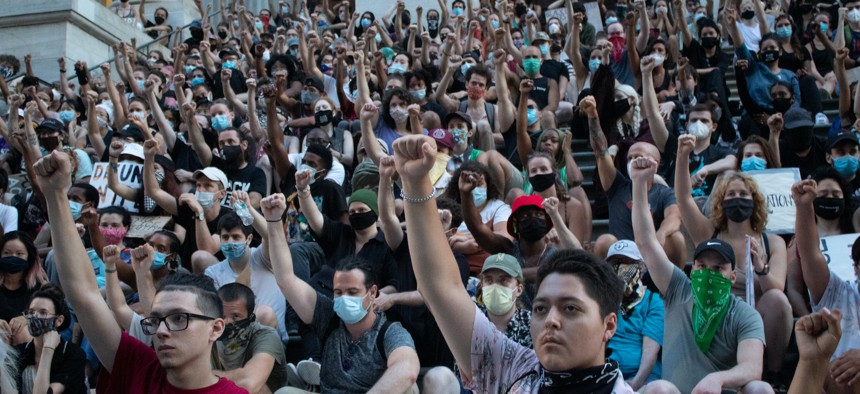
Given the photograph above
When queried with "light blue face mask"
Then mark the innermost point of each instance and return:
(228, 64)
(610, 21)
(309, 97)
(846, 166)
(479, 194)
(350, 308)
(76, 209)
(365, 23)
(220, 122)
(457, 11)
(783, 31)
(292, 42)
(305, 167)
(418, 94)
(141, 84)
(396, 68)
(495, 24)
(159, 260)
(233, 250)
(197, 81)
(698, 16)
(532, 116)
(189, 69)
(594, 64)
(67, 116)
(259, 25)
(544, 49)
(465, 67)
(753, 163)
(823, 27)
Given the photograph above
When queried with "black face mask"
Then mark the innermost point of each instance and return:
(363, 220)
(12, 265)
(829, 208)
(620, 11)
(232, 155)
(738, 209)
(49, 143)
(532, 229)
(222, 34)
(233, 330)
(622, 106)
(433, 27)
(322, 118)
(197, 34)
(520, 10)
(159, 20)
(769, 56)
(781, 104)
(542, 182)
(799, 139)
(710, 42)
(748, 14)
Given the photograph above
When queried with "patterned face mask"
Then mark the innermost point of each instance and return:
(711, 299)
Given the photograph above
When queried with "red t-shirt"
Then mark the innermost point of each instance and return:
(136, 370)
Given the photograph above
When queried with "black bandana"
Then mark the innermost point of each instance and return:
(600, 380)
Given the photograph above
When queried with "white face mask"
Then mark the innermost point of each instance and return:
(699, 130)
(854, 15)
(658, 59)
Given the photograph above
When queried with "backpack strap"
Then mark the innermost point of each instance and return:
(380, 339)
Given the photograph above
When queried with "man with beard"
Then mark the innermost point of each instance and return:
(249, 353)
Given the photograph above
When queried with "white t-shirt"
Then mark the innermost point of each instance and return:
(136, 331)
(496, 211)
(336, 174)
(263, 284)
(8, 218)
(843, 295)
(330, 85)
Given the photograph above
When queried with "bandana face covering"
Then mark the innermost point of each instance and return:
(600, 380)
(237, 335)
(711, 299)
(633, 288)
(41, 325)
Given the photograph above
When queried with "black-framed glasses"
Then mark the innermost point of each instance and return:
(174, 322)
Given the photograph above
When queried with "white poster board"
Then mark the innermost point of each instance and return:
(141, 226)
(775, 184)
(560, 13)
(130, 174)
(592, 11)
(837, 251)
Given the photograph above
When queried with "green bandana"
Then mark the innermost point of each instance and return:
(711, 298)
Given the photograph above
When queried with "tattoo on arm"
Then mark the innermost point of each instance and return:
(598, 139)
(32, 140)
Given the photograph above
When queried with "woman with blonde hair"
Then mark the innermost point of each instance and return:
(738, 216)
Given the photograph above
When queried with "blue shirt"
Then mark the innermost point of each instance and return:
(760, 79)
(646, 320)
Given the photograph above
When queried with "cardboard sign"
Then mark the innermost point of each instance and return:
(18, 184)
(141, 226)
(130, 174)
(837, 251)
(775, 184)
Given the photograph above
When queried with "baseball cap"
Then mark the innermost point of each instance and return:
(131, 131)
(195, 24)
(227, 51)
(50, 125)
(462, 115)
(541, 36)
(505, 262)
(213, 174)
(315, 82)
(715, 245)
(796, 118)
(523, 202)
(132, 149)
(443, 137)
(624, 248)
(835, 138)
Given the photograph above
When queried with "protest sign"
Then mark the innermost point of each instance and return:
(775, 185)
(837, 251)
(142, 226)
(130, 174)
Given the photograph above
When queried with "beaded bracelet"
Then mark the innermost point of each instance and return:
(413, 200)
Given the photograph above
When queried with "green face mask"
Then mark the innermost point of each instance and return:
(531, 67)
(711, 299)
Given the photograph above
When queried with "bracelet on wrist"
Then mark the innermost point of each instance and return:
(48, 347)
(110, 271)
(305, 191)
(274, 220)
(417, 200)
(763, 272)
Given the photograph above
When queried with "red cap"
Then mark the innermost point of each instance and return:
(533, 200)
(443, 137)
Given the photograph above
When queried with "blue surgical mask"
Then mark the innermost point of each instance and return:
(205, 199)
(309, 97)
(350, 309)
(753, 163)
(197, 81)
(228, 64)
(141, 84)
(458, 11)
(365, 23)
(846, 166)
(189, 69)
(159, 260)
(465, 67)
(378, 38)
(396, 68)
(479, 194)
(532, 116)
(698, 16)
(783, 31)
(220, 122)
(305, 167)
(292, 42)
(495, 24)
(259, 25)
(610, 20)
(823, 26)
(233, 250)
(67, 116)
(76, 209)
(594, 64)
(544, 49)
(418, 94)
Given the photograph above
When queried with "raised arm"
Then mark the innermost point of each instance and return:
(839, 41)
(505, 106)
(524, 142)
(114, 184)
(651, 106)
(54, 173)
(605, 166)
(813, 266)
(387, 215)
(699, 226)
(435, 268)
(64, 82)
(300, 295)
(150, 184)
(163, 126)
(644, 28)
(573, 48)
(489, 240)
(374, 151)
(842, 80)
(730, 16)
(195, 134)
(680, 12)
(762, 20)
(642, 170)
(315, 218)
(237, 105)
(441, 96)
(817, 335)
(122, 313)
(566, 238)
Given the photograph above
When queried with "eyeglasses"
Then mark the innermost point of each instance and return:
(38, 315)
(174, 322)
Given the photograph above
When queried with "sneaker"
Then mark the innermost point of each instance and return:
(821, 119)
(293, 378)
(309, 371)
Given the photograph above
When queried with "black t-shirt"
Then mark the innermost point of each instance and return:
(248, 179)
(790, 61)
(328, 196)
(815, 159)
(620, 196)
(14, 302)
(554, 69)
(67, 366)
(540, 92)
(699, 59)
(187, 219)
(511, 144)
(338, 242)
(184, 157)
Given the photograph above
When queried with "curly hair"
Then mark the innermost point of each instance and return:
(453, 189)
(53, 293)
(403, 95)
(758, 220)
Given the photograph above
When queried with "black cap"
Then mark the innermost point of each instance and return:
(131, 131)
(462, 115)
(51, 125)
(227, 51)
(722, 248)
(836, 138)
(315, 82)
(797, 117)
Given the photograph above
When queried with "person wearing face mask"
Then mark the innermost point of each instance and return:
(637, 343)
(49, 363)
(234, 160)
(852, 33)
(501, 286)
(704, 52)
(324, 84)
(52, 134)
(159, 26)
(22, 275)
(738, 216)
(707, 161)
(762, 72)
(755, 154)
(129, 14)
(378, 354)
(751, 17)
(799, 147)
(823, 29)
(717, 338)
(327, 117)
(459, 124)
(545, 88)
(231, 60)
(843, 157)
(528, 126)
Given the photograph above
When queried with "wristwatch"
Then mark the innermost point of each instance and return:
(200, 216)
(765, 271)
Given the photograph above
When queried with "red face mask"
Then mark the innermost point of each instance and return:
(618, 43)
(475, 92)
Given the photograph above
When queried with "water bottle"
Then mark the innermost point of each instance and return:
(242, 210)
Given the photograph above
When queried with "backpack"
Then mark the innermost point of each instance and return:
(334, 323)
